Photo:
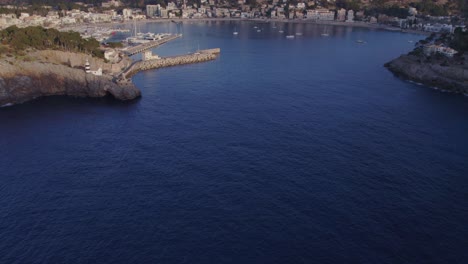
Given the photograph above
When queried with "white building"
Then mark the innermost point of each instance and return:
(68, 20)
(341, 15)
(438, 28)
(111, 3)
(127, 13)
(321, 14)
(163, 13)
(432, 49)
(350, 16)
(153, 10)
(171, 6)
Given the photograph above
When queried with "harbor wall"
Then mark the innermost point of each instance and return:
(200, 56)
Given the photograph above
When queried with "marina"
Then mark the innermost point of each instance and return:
(132, 50)
(100, 33)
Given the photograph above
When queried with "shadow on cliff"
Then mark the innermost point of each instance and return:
(58, 102)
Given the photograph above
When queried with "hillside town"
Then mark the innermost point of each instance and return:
(402, 17)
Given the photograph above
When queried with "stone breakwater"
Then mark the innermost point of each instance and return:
(26, 81)
(201, 56)
(452, 78)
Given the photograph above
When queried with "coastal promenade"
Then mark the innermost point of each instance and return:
(199, 56)
(358, 24)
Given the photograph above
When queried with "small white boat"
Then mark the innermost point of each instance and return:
(325, 32)
(259, 30)
(298, 33)
(235, 32)
(290, 36)
(280, 31)
(360, 41)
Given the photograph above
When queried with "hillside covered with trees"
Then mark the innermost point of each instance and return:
(14, 39)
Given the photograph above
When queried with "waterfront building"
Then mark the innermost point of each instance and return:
(438, 28)
(127, 13)
(341, 15)
(148, 55)
(350, 16)
(152, 10)
(247, 15)
(433, 49)
(221, 12)
(112, 13)
(188, 12)
(320, 14)
(273, 13)
(163, 13)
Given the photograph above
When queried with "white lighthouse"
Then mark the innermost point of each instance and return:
(87, 67)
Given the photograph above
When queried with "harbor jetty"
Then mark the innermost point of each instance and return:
(151, 44)
(143, 65)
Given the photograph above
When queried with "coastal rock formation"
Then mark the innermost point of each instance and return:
(24, 81)
(449, 77)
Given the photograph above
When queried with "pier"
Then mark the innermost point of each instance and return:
(199, 56)
(149, 45)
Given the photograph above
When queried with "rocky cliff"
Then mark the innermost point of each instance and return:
(449, 77)
(24, 81)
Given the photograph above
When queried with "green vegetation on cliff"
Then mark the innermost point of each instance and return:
(460, 40)
(19, 39)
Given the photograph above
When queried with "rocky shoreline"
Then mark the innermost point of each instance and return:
(25, 81)
(436, 74)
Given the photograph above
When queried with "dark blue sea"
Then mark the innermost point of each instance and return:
(303, 150)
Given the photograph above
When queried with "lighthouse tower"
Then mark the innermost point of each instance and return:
(87, 67)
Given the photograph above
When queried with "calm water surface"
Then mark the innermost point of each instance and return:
(280, 151)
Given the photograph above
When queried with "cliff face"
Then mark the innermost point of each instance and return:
(25, 81)
(453, 78)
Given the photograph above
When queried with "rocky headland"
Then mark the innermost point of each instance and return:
(44, 74)
(441, 74)
(439, 61)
